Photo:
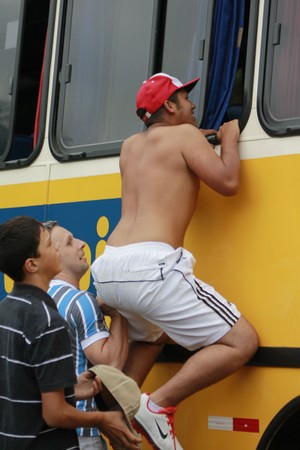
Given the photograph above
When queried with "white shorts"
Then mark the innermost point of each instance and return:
(153, 286)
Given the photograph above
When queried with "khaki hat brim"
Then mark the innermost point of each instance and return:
(118, 392)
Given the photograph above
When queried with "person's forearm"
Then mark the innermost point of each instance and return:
(229, 137)
(112, 350)
(69, 417)
(115, 350)
(230, 156)
(231, 161)
(59, 414)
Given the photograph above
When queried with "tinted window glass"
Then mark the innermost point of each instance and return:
(284, 90)
(105, 59)
(186, 41)
(23, 30)
(279, 99)
(9, 24)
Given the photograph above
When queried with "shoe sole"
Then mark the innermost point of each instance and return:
(138, 427)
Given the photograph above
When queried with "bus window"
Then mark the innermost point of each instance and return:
(279, 94)
(107, 48)
(9, 24)
(186, 43)
(24, 24)
(107, 52)
(204, 39)
(231, 64)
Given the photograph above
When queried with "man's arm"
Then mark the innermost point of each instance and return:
(58, 413)
(221, 173)
(113, 350)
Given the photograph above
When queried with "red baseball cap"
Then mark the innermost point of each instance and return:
(156, 90)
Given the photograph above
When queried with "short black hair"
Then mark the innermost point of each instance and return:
(19, 240)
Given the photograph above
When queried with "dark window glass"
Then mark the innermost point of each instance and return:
(23, 31)
(191, 45)
(186, 43)
(9, 25)
(279, 99)
(106, 56)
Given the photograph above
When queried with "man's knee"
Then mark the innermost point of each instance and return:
(248, 338)
(243, 337)
(250, 341)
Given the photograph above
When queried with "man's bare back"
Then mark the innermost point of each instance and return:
(159, 192)
(161, 170)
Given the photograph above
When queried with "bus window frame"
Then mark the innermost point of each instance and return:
(14, 84)
(250, 63)
(112, 148)
(206, 57)
(25, 162)
(46, 79)
(89, 151)
(272, 126)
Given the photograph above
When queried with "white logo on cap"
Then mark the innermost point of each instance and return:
(174, 80)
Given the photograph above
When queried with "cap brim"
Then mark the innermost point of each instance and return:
(119, 392)
(190, 84)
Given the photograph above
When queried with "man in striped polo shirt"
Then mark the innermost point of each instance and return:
(91, 340)
(37, 375)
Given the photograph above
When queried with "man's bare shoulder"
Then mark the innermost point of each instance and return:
(155, 134)
(132, 138)
(188, 128)
(180, 128)
(130, 143)
(180, 132)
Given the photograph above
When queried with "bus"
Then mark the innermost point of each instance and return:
(69, 73)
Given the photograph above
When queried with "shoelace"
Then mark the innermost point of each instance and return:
(170, 412)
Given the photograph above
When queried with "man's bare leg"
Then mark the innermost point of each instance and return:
(141, 358)
(207, 366)
(210, 365)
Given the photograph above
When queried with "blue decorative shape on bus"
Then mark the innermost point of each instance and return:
(80, 218)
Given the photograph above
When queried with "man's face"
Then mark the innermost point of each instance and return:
(185, 108)
(48, 259)
(71, 251)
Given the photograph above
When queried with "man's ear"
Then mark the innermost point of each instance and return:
(30, 266)
(170, 106)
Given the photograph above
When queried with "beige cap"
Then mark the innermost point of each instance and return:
(118, 391)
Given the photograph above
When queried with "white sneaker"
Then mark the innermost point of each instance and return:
(158, 427)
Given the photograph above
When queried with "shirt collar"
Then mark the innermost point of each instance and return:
(29, 290)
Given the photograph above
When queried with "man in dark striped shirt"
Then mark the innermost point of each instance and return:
(37, 374)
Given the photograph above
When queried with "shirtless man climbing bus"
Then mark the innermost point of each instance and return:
(146, 273)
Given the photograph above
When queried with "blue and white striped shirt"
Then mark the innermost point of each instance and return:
(86, 325)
